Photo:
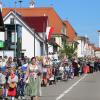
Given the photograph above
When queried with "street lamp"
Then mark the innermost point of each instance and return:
(99, 37)
(15, 28)
(20, 1)
(34, 40)
(34, 43)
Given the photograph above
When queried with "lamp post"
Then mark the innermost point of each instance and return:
(34, 40)
(15, 29)
(86, 43)
(99, 37)
(20, 1)
(34, 43)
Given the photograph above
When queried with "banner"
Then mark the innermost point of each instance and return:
(49, 32)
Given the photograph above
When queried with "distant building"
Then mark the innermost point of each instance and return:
(97, 52)
(85, 49)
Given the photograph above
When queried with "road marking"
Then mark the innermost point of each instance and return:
(70, 88)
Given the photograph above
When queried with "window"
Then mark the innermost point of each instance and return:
(63, 30)
(11, 20)
(13, 36)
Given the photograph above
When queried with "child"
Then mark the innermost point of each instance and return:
(20, 87)
(12, 84)
(71, 72)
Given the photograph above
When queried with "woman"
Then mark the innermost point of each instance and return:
(9, 62)
(32, 79)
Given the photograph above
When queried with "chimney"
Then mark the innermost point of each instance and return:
(32, 4)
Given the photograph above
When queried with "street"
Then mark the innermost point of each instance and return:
(85, 87)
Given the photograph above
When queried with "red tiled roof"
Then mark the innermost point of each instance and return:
(70, 31)
(97, 49)
(53, 18)
(37, 23)
(83, 38)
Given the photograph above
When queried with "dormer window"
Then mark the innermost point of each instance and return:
(63, 30)
(11, 20)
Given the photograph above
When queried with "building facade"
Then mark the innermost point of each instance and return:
(85, 49)
(21, 37)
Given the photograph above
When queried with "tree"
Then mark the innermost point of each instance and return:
(69, 50)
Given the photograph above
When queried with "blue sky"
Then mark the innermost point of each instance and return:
(84, 15)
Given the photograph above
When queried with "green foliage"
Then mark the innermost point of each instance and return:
(68, 50)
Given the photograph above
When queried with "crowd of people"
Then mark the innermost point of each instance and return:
(20, 77)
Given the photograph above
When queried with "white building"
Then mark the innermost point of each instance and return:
(97, 52)
(29, 41)
(84, 47)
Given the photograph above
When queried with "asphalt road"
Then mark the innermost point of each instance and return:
(85, 87)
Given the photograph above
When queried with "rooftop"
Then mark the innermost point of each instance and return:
(70, 31)
(53, 19)
(38, 23)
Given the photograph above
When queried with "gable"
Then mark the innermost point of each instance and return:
(53, 18)
(21, 22)
(39, 24)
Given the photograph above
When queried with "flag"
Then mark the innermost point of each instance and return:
(49, 32)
